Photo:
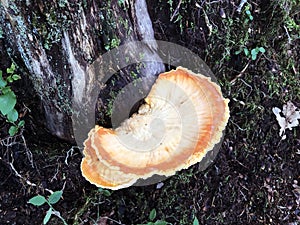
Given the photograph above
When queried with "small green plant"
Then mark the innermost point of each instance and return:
(248, 13)
(253, 53)
(51, 200)
(113, 43)
(8, 100)
(152, 217)
(195, 221)
(105, 192)
(121, 2)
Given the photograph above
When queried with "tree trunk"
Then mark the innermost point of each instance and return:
(61, 44)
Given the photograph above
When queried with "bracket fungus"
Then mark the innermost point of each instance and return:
(183, 117)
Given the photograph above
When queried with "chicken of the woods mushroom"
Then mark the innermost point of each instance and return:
(182, 119)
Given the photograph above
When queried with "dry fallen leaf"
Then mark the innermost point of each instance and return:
(289, 119)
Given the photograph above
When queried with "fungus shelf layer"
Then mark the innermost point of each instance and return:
(182, 119)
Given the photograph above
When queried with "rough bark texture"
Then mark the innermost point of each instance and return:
(57, 42)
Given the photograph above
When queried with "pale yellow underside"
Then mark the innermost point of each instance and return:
(183, 118)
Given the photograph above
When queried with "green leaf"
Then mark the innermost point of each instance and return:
(105, 192)
(21, 123)
(7, 102)
(254, 53)
(3, 83)
(196, 221)
(12, 116)
(253, 56)
(13, 130)
(237, 52)
(48, 216)
(10, 79)
(160, 222)
(46, 46)
(37, 200)
(16, 77)
(152, 214)
(246, 51)
(262, 49)
(11, 69)
(6, 90)
(54, 197)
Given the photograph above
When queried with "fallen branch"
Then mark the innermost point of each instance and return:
(26, 180)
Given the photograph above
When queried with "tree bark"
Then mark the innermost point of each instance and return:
(60, 43)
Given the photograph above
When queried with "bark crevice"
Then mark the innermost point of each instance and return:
(57, 43)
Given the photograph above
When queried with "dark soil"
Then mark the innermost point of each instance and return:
(254, 179)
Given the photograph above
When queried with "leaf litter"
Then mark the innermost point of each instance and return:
(287, 117)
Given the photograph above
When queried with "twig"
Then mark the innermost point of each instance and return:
(10, 141)
(288, 35)
(56, 172)
(208, 24)
(28, 152)
(27, 181)
(57, 213)
(237, 126)
(106, 217)
(241, 5)
(70, 152)
(212, 2)
(176, 11)
(241, 73)
(248, 85)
